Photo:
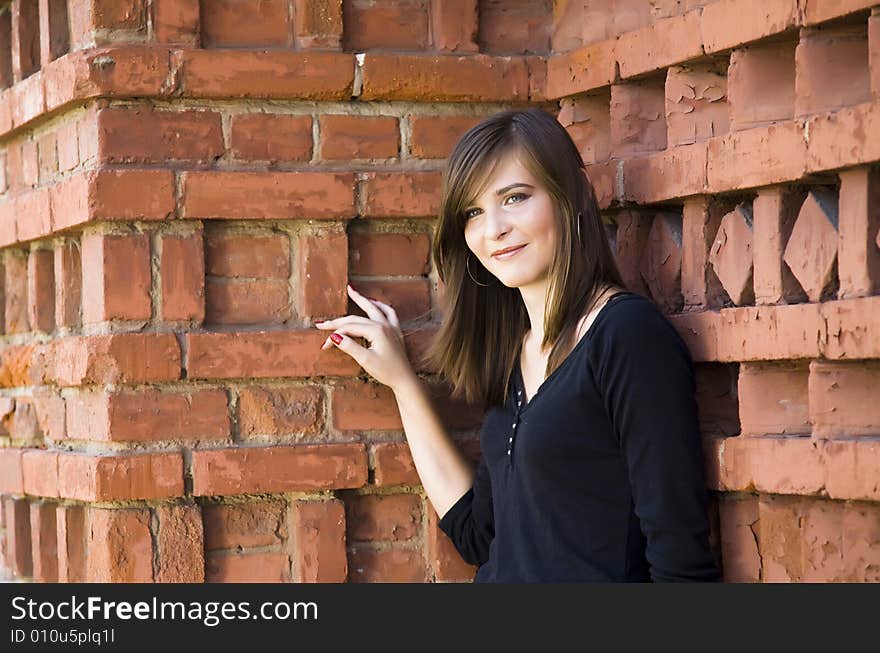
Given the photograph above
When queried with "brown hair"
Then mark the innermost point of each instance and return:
(483, 327)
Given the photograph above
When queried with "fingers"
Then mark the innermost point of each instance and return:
(358, 352)
(340, 321)
(390, 313)
(368, 306)
(359, 330)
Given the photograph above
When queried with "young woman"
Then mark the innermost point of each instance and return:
(591, 465)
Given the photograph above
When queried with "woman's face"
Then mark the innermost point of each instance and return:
(514, 211)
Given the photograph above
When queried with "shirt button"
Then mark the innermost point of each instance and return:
(508, 452)
(513, 425)
(510, 439)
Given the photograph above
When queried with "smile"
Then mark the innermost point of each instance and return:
(510, 254)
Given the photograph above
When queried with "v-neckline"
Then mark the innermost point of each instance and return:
(520, 382)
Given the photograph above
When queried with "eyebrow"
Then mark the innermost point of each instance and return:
(501, 191)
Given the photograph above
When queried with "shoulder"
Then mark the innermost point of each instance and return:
(633, 322)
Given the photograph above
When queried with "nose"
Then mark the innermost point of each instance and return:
(495, 224)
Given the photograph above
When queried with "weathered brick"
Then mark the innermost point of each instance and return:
(632, 234)
(233, 254)
(318, 23)
(257, 567)
(268, 195)
(68, 284)
(811, 252)
(837, 139)
(144, 476)
(264, 354)
(858, 255)
(730, 254)
(116, 358)
(842, 400)
(760, 84)
(388, 253)
(678, 172)
(47, 154)
(817, 11)
(248, 301)
(44, 544)
(638, 124)
(401, 195)
(728, 23)
(410, 298)
(120, 546)
(182, 268)
(367, 565)
(15, 286)
(176, 21)
(280, 411)
(454, 25)
(116, 277)
(398, 26)
(18, 535)
(140, 134)
(696, 102)
(774, 212)
(590, 67)
(716, 396)
(278, 469)
(358, 137)
(773, 399)
(41, 290)
(71, 542)
(661, 262)
(666, 42)
(587, 120)
(244, 525)
(740, 524)
(370, 517)
(445, 561)
(392, 464)
(319, 542)
(39, 469)
(323, 273)
(848, 323)
(271, 137)
(180, 544)
(433, 137)
(227, 23)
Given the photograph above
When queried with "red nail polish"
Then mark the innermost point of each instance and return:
(336, 338)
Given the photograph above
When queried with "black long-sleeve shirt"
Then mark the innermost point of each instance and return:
(598, 477)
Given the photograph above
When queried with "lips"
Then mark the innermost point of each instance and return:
(507, 253)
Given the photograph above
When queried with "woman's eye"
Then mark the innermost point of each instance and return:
(522, 196)
(470, 213)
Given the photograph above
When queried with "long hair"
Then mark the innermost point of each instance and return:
(483, 327)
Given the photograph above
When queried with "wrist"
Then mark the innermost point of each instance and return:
(407, 385)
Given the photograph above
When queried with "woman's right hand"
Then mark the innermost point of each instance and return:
(385, 359)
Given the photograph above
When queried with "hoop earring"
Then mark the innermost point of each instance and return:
(467, 265)
(579, 218)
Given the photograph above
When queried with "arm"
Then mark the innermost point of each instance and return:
(646, 376)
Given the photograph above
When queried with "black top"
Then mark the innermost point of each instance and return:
(598, 477)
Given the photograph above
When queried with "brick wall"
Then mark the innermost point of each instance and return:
(186, 187)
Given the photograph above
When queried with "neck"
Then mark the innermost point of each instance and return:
(534, 297)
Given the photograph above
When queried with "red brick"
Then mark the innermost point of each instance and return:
(253, 301)
(840, 542)
(838, 139)
(756, 157)
(70, 531)
(568, 26)
(666, 42)
(760, 84)
(116, 277)
(232, 254)
(296, 468)
(454, 25)
(116, 358)
(138, 476)
(180, 544)
(842, 399)
(30, 163)
(388, 253)
(25, 39)
(848, 323)
(858, 256)
(228, 23)
(393, 464)
(779, 538)
(605, 178)
(68, 147)
(774, 213)
(366, 565)
(404, 195)
(15, 363)
(148, 415)
(410, 297)
(661, 261)
(18, 535)
(11, 477)
(318, 23)
(276, 411)
(319, 542)
(832, 69)
(637, 119)
(176, 21)
(41, 290)
(259, 567)
(811, 252)
(874, 51)
(590, 67)
(244, 525)
(728, 23)
(7, 222)
(357, 405)
(587, 120)
(67, 274)
(44, 542)
(632, 234)
(372, 517)
(445, 561)
(323, 273)
(358, 137)
(47, 154)
(773, 399)
(28, 99)
(851, 468)
(395, 25)
(25, 421)
(817, 11)
(182, 267)
(264, 354)
(514, 27)
(39, 469)
(449, 78)
(34, 215)
(120, 546)
(254, 74)
(15, 285)
(271, 137)
(7, 409)
(741, 561)
(455, 413)
(140, 134)
(730, 255)
(675, 173)
(696, 102)
(268, 195)
(700, 286)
